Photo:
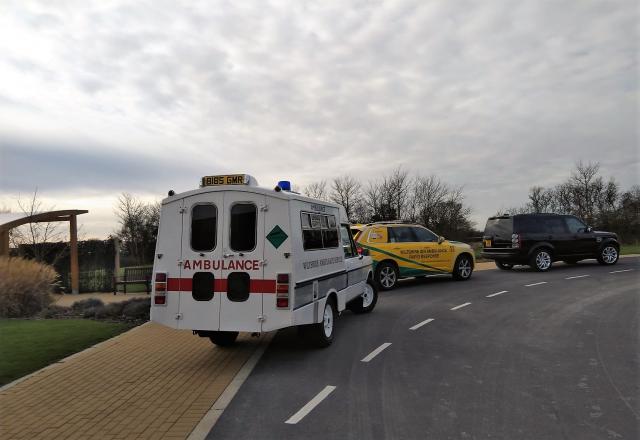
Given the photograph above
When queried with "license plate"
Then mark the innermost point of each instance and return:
(227, 179)
(487, 243)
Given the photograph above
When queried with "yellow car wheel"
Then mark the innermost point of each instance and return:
(386, 275)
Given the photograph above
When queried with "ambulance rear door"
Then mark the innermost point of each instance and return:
(242, 262)
(201, 283)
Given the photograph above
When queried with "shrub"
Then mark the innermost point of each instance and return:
(137, 308)
(55, 311)
(114, 310)
(25, 287)
(84, 304)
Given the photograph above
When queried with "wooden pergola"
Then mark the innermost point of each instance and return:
(68, 215)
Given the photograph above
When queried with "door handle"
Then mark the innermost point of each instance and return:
(228, 255)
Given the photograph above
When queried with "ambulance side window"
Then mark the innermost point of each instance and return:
(347, 243)
(204, 219)
(319, 231)
(243, 227)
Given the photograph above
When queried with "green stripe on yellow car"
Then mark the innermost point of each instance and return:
(406, 260)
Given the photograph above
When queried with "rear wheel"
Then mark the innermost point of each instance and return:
(541, 260)
(463, 268)
(223, 339)
(321, 334)
(608, 255)
(367, 301)
(504, 266)
(386, 275)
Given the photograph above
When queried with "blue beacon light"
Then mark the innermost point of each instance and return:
(285, 185)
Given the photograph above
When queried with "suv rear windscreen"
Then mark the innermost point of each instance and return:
(499, 227)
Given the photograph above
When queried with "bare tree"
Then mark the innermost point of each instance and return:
(316, 190)
(138, 226)
(345, 190)
(427, 196)
(540, 199)
(395, 191)
(35, 236)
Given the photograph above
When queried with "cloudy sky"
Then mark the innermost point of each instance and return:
(97, 98)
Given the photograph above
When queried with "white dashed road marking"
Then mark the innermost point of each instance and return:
(417, 326)
(535, 284)
(577, 276)
(619, 271)
(376, 352)
(497, 293)
(309, 406)
(460, 306)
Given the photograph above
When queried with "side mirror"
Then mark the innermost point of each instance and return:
(440, 239)
(589, 229)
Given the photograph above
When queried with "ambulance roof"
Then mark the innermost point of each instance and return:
(285, 195)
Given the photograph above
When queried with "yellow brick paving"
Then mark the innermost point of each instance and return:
(150, 383)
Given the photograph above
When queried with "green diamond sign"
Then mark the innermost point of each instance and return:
(277, 236)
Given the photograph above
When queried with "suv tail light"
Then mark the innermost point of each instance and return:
(160, 289)
(515, 241)
(282, 291)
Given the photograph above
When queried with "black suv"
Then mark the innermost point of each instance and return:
(540, 239)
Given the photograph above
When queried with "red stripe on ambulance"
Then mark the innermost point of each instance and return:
(255, 286)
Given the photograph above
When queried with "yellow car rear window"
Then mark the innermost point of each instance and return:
(377, 235)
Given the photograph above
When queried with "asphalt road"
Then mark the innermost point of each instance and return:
(558, 360)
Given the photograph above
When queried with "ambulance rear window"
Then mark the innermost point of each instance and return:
(204, 219)
(243, 227)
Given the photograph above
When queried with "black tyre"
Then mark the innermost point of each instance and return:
(608, 255)
(504, 266)
(541, 260)
(321, 334)
(223, 339)
(367, 301)
(386, 275)
(571, 261)
(463, 268)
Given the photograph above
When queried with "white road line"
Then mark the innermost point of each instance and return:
(417, 326)
(309, 406)
(619, 271)
(376, 352)
(460, 306)
(535, 284)
(577, 276)
(497, 293)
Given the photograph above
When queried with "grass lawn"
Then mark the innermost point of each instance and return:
(28, 345)
(626, 249)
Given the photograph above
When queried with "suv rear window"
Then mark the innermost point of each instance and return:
(501, 226)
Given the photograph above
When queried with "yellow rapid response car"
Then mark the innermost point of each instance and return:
(401, 250)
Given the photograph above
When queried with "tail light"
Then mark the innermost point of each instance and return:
(282, 291)
(160, 289)
(515, 241)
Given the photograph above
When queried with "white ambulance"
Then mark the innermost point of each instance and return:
(232, 257)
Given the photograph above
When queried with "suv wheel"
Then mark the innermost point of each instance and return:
(463, 268)
(504, 266)
(541, 260)
(608, 255)
(386, 276)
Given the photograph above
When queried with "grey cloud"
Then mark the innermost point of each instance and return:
(482, 93)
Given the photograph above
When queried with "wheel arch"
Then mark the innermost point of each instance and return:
(541, 245)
